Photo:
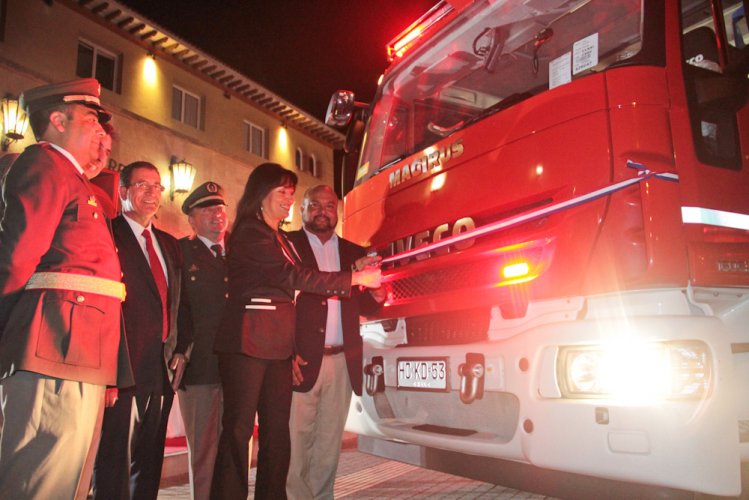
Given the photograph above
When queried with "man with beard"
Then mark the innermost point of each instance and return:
(328, 362)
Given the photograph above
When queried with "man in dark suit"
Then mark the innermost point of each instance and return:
(204, 289)
(60, 296)
(131, 452)
(329, 350)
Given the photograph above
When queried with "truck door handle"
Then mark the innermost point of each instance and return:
(472, 378)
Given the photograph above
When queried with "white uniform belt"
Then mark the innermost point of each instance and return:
(77, 283)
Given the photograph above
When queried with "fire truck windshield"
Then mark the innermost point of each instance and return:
(490, 57)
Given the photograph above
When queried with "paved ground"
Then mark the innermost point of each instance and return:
(364, 476)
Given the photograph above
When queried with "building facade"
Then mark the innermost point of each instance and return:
(170, 101)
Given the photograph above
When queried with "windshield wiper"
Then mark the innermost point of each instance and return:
(505, 103)
(388, 164)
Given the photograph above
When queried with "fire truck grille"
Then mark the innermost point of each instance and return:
(448, 279)
(460, 327)
(497, 413)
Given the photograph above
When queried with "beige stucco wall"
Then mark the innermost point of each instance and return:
(40, 46)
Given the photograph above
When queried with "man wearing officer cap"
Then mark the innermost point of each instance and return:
(60, 295)
(204, 294)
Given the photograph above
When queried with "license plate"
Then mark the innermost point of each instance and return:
(422, 374)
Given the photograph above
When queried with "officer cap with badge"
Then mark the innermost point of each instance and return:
(206, 195)
(84, 91)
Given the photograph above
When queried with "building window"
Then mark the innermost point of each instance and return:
(185, 107)
(254, 139)
(299, 160)
(96, 62)
(312, 165)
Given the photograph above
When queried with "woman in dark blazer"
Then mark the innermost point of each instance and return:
(256, 340)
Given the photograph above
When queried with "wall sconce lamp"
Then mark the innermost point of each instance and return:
(15, 122)
(183, 175)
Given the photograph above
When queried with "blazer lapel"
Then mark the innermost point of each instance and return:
(287, 248)
(171, 266)
(305, 250)
(347, 257)
(131, 249)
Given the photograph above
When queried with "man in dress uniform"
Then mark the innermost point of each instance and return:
(204, 289)
(328, 364)
(60, 295)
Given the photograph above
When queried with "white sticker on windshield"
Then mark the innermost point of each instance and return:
(585, 53)
(559, 70)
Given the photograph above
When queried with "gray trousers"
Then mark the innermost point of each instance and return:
(201, 407)
(316, 426)
(49, 438)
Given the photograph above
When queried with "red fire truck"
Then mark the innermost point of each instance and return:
(560, 192)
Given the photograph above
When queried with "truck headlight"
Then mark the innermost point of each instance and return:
(635, 371)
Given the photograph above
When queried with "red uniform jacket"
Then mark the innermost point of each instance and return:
(53, 223)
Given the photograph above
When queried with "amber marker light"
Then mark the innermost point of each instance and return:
(514, 271)
(517, 272)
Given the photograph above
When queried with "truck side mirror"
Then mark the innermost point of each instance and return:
(345, 111)
(340, 109)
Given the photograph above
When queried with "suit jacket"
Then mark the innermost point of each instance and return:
(204, 291)
(53, 223)
(312, 315)
(264, 271)
(142, 307)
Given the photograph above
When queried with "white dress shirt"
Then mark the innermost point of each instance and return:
(210, 243)
(138, 231)
(328, 259)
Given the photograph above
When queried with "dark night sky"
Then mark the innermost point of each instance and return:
(302, 50)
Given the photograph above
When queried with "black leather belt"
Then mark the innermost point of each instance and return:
(329, 350)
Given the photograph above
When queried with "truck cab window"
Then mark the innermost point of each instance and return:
(716, 82)
(497, 52)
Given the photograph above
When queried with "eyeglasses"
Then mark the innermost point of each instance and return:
(147, 186)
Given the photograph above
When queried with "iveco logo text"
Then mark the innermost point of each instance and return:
(427, 236)
(432, 158)
(733, 266)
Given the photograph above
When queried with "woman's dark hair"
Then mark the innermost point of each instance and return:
(265, 178)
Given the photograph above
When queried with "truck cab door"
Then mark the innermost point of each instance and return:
(711, 141)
